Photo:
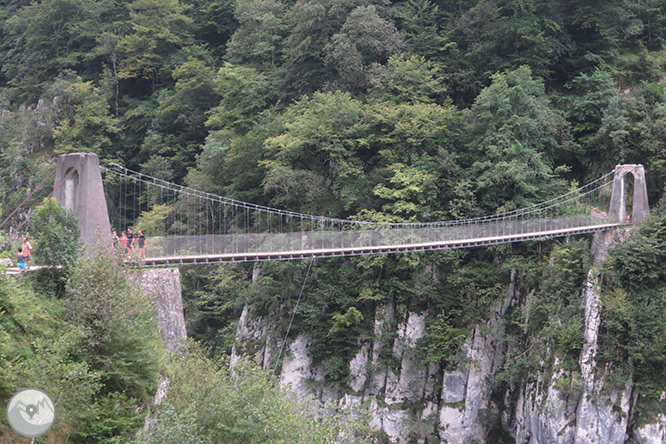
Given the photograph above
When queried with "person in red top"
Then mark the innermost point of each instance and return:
(123, 243)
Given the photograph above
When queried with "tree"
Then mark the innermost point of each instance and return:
(209, 402)
(121, 340)
(317, 159)
(258, 40)
(310, 26)
(513, 135)
(39, 348)
(56, 234)
(407, 79)
(87, 125)
(159, 27)
(365, 39)
(181, 113)
(597, 118)
(244, 93)
(44, 38)
(214, 22)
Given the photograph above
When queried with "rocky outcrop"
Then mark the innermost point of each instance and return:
(652, 433)
(412, 402)
(162, 286)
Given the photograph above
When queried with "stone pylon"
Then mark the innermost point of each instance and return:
(78, 187)
(618, 206)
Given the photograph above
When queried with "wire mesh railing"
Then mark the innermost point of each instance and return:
(182, 221)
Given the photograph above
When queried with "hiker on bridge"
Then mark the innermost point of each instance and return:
(141, 240)
(123, 241)
(20, 261)
(115, 240)
(27, 251)
(130, 241)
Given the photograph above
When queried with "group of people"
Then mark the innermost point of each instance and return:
(24, 255)
(128, 241)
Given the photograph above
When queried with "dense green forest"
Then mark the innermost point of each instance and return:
(417, 110)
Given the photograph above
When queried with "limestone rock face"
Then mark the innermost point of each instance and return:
(411, 401)
(162, 286)
(652, 433)
(297, 367)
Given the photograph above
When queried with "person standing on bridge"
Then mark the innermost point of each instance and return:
(115, 239)
(123, 242)
(141, 240)
(130, 241)
(20, 261)
(27, 251)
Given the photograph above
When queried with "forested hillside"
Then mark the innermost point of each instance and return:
(418, 110)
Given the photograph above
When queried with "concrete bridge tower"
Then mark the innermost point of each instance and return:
(78, 187)
(618, 206)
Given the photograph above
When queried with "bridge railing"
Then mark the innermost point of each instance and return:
(217, 244)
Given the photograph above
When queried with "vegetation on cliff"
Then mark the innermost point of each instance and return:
(411, 110)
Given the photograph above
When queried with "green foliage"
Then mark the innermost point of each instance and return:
(158, 28)
(121, 341)
(209, 402)
(442, 341)
(41, 39)
(325, 134)
(557, 311)
(182, 112)
(365, 38)
(596, 115)
(113, 419)
(213, 298)
(551, 323)
(244, 94)
(472, 285)
(89, 125)
(258, 40)
(153, 222)
(96, 355)
(407, 80)
(56, 235)
(39, 349)
(514, 134)
(634, 338)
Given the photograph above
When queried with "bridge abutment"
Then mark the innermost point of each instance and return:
(78, 187)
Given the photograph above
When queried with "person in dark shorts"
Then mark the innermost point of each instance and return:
(20, 261)
(141, 241)
(130, 241)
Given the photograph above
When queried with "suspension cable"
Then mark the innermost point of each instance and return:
(574, 194)
(37, 188)
(291, 321)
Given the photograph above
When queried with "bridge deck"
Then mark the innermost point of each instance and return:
(383, 249)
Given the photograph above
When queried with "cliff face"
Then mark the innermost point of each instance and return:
(162, 286)
(412, 402)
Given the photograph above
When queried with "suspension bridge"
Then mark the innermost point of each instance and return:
(199, 227)
(188, 226)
